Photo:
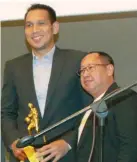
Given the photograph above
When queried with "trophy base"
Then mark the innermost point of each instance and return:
(31, 154)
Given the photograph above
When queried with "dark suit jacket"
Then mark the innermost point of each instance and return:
(120, 139)
(65, 95)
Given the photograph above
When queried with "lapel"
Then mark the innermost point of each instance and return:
(30, 81)
(111, 89)
(57, 68)
(87, 132)
(88, 124)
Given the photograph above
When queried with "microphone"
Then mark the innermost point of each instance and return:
(25, 141)
(99, 107)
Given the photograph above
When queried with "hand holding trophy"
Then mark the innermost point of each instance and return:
(33, 124)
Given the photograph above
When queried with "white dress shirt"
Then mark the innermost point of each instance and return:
(41, 74)
(85, 117)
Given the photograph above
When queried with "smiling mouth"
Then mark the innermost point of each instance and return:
(88, 81)
(37, 38)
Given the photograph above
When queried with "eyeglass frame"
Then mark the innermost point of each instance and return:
(92, 66)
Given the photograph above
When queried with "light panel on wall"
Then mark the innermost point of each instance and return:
(15, 10)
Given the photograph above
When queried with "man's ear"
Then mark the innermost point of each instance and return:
(55, 27)
(110, 70)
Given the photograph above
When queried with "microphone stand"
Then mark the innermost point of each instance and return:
(101, 120)
(99, 108)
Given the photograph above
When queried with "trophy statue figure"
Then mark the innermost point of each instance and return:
(32, 119)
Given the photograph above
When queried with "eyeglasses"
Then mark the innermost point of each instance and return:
(89, 68)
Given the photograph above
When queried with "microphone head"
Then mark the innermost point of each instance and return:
(25, 141)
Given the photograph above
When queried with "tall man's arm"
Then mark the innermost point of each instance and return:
(9, 114)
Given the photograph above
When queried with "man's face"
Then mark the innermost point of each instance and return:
(96, 74)
(39, 30)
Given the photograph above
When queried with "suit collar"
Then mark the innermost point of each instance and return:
(47, 56)
(57, 67)
(112, 88)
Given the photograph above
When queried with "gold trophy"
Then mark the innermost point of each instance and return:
(32, 120)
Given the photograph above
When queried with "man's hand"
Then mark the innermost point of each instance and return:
(18, 152)
(55, 151)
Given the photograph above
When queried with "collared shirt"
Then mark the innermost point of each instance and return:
(41, 74)
(85, 117)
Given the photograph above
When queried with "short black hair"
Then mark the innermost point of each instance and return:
(50, 10)
(105, 56)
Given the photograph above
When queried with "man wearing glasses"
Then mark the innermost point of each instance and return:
(120, 143)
